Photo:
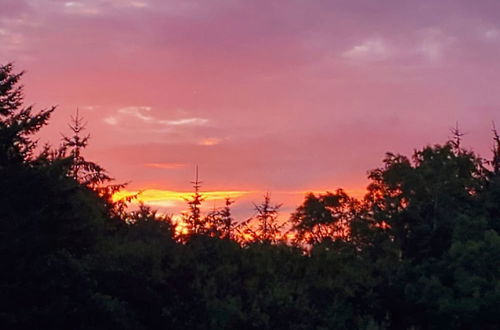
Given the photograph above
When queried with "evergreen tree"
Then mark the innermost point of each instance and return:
(264, 227)
(85, 172)
(18, 123)
(220, 222)
(89, 173)
(227, 221)
(193, 219)
(495, 162)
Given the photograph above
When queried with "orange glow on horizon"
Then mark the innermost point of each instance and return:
(168, 197)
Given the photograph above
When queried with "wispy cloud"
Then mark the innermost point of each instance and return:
(100, 7)
(138, 112)
(375, 49)
(209, 141)
(81, 8)
(11, 40)
(111, 120)
(130, 3)
(143, 115)
(166, 166)
(184, 121)
(491, 34)
(434, 44)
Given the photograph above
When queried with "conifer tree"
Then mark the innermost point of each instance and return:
(220, 222)
(267, 228)
(88, 173)
(17, 122)
(85, 172)
(227, 220)
(193, 219)
(456, 140)
(496, 151)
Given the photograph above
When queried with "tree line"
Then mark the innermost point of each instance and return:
(421, 250)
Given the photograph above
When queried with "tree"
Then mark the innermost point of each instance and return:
(495, 162)
(88, 173)
(193, 219)
(220, 222)
(227, 222)
(323, 217)
(420, 199)
(264, 227)
(49, 224)
(85, 172)
(17, 122)
(431, 209)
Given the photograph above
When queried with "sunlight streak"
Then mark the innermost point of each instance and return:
(168, 197)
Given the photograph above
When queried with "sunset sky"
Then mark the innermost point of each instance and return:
(281, 96)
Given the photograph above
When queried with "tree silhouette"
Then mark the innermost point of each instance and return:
(264, 227)
(456, 140)
(18, 123)
(323, 217)
(496, 151)
(220, 222)
(228, 224)
(193, 219)
(88, 173)
(85, 172)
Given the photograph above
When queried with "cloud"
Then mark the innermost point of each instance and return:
(89, 107)
(369, 50)
(111, 120)
(184, 121)
(165, 166)
(491, 34)
(142, 115)
(11, 40)
(209, 141)
(137, 112)
(129, 3)
(81, 8)
(434, 44)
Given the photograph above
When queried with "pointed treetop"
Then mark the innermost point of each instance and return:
(496, 150)
(457, 136)
(196, 183)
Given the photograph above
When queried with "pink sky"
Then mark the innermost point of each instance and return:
(279, 96)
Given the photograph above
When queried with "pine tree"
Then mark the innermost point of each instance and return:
(267, 228)
(496, 151)
(220, 222)
(85, 172)
(456, 140)
(17, 122)
(227, 220)
(193, 219)
(88, 173)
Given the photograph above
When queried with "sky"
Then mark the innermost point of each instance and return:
(264, 96)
